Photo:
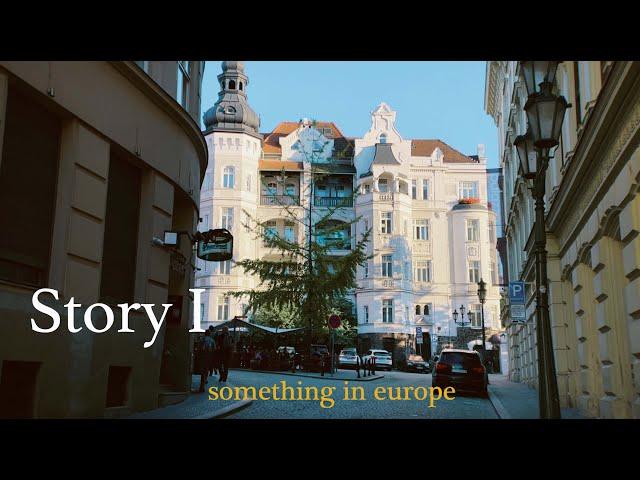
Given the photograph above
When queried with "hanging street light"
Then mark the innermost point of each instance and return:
(545, 114)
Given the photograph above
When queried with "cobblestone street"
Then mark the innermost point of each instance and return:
(466, 407)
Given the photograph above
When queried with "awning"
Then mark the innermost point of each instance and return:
(247, 326)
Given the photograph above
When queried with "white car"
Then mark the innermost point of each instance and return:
(382, 358)
(348, 358)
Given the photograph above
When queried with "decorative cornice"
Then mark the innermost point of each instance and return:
(608, 133)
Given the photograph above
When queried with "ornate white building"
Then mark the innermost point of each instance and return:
(429, 250)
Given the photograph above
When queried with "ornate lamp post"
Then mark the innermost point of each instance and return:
(482, 296)
(545, 113)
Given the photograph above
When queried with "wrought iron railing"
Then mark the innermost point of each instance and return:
(277, 200)
(333, 201)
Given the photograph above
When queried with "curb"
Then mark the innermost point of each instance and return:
(326, 377)
(502, 412)
(223, 412)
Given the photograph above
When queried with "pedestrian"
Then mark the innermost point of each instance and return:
(202, 361)
(216, 353)
(211, 355)
(224, 347)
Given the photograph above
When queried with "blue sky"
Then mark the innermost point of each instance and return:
(442, 100)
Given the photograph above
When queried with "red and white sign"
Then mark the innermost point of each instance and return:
(334, 321)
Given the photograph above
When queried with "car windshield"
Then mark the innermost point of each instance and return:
(348, 352)
(460, 358)
(381, 354)
(416, 358)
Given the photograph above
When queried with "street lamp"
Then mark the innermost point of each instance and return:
(545, 113)
(482, 296)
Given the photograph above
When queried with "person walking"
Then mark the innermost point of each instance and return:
(224, 347)
(202, 361)
(211, 356)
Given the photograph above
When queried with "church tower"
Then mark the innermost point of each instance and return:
(229, 189)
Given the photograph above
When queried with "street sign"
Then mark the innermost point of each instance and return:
(334, 321)
(419, 335)
(518, 313)
(517, 293)
(216, 245)
(419, 339)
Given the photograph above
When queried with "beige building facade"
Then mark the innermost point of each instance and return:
(592, 223)
(96, 160)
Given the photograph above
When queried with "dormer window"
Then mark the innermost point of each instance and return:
(231, 110)
(383, 138)
(232, 84)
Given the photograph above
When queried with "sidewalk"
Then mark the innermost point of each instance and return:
(197, 406)
(518, 401)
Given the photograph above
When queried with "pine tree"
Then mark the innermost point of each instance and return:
(306, 278)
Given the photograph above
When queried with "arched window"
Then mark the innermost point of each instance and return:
(383, 138)
(426, 310)
(417, 309)
(232, 84)
(240, 85)
(228, 177)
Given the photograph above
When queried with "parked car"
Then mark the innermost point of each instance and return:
(415, 363)
(382, 358)
(348, 358)
(461, 369)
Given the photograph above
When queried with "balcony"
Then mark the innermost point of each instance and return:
(333, 201)
(279, 200)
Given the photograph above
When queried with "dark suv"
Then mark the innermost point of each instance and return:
(461, 369)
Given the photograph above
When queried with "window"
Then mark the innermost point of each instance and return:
(232, 84)
(421, 229)
(385, 225)
(414, 189)
(387, 266)
(425, 189)
(474, 315)
(576, 86)
(428, 308)
(182, 94)
(28, 177)
(289, 232)
(226, 221)
(120, 245)
(418, 311)
(202, 312)
(225, 267)
(223, 308)
(469, 189)
(229, 177)
(366, 188)
(290, 189)
(473, 230)
(474, 271)
(271, 229)
(383, 138)
(365, 310)
(383, 185)
(423, 271)
(272, 188)
(492, 232)
(387, 311)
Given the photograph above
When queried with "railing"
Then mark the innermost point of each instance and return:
(385, 196)
(333, 201)
(278, 200)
